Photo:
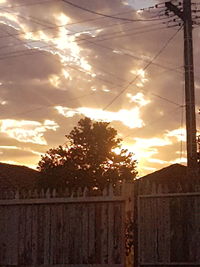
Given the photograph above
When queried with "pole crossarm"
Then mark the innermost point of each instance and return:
(175, 9)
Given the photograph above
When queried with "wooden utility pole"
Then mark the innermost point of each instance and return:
(186, 17)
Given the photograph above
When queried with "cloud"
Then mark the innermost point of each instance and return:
(138, 98)
(179, 134)
(79, 63)
(123, 115)
(27, 131)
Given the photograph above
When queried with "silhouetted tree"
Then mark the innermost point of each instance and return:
(89, 159)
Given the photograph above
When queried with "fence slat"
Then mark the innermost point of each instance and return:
(41, 228)
(104, 234)
(110, 233)
(169, 229)
(47, 232)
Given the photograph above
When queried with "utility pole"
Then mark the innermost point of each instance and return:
(186, 16)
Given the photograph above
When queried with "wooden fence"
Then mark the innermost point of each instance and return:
(63, 229)
(167, 231)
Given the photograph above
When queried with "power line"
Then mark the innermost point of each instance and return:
(155, 95)
(64, 25)
(172, 102)
(147, 65)
(105, 15)
(85, 39)
(32, 52)
(130, 34)
(103, 46)
(50, 106)
(103, 79)
(8, 55)
(59, 26)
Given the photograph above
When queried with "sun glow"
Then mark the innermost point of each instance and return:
(145, 149)
(55, 80)
(138, 98)
(124, 116)
(179, 134)
(141, 75)
(62, 43)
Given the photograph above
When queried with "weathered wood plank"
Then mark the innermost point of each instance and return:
(47, 233)
(118, 234)
(85, 234)
(72, 238)
(13, 233)
(164, 230)
(66, 233)
(59, 229)
(21, 236)
(196, 236)
(53, 235)
(60, 233)
(110, 233)
(98, 227)
(104, 234)
(77, 233)
(91, 248)
(34, 233)
(169, 230)
(3, 246)
(40, 235)
(28, 235)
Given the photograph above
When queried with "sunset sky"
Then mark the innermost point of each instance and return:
(60, 62)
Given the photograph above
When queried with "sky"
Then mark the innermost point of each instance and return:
(60, 63)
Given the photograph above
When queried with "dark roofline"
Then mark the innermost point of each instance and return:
(172, 171)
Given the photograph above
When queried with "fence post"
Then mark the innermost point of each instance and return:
(128, 195)
(135, 223)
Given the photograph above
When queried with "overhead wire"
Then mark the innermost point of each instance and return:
(106, 15)
(108, 81)
(63, 25)
(73, 33)
(85, 39)
(44, 52)
(38, 22)
(151, 62)
(164, 98)
(78, 42)
(153, 122)
(87, 29)
(53, 26)
(129, 34)
(50, 106)
(145, 67)
(86, 73)
(45, 46)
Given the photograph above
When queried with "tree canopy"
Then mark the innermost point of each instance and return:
(89, 159)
